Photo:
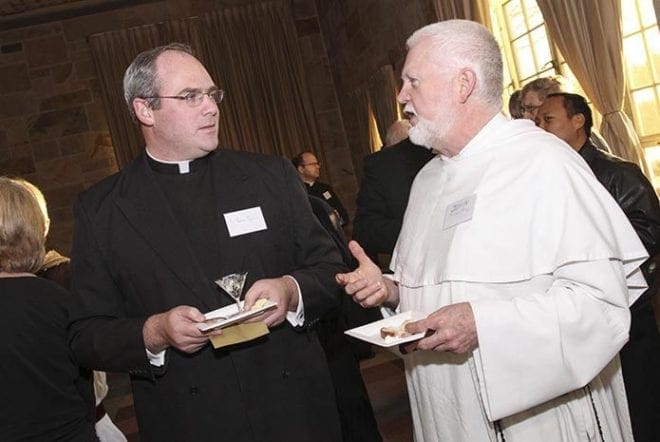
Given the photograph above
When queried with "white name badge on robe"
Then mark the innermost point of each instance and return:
(245, 221)
(459, 211)
(327, 195)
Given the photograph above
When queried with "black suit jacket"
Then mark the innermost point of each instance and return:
(131, 260)
(383, 196)
(640, 357)
(631, 190)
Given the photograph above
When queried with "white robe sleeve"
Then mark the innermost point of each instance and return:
(537, 347)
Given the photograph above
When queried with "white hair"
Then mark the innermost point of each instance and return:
(467, 44)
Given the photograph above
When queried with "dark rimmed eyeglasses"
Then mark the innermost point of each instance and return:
(194, 99)
(530, 109)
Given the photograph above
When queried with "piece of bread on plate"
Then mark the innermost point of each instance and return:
(397, 332)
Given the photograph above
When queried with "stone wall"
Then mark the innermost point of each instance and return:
(52, 125)
(53, 129)
(363, 35)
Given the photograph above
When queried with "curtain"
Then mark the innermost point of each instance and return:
(112, 52)
(253, 53)
(359, 126)
(475, 10)
(588, 34)
(382, 92)
(267, 107)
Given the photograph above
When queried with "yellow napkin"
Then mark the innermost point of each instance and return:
(239, 333)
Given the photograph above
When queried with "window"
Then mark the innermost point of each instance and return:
(530, 53)
(641, 48)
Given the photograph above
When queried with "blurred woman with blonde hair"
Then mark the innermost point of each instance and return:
(44, 395)
(57, 268)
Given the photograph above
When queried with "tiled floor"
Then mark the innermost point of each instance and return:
(383, 375)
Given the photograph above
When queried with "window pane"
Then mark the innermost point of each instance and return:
(541, 48)
(629, 20)
(646, 111)
(637, 67)
(652, 155)
(524, 57)
(534, 16)
(516, 19)
(653, 43)
(648, 12)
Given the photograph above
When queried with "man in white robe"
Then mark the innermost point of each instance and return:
(522, 261)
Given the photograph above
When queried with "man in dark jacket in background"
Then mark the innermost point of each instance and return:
(309, 169)
(383, 196)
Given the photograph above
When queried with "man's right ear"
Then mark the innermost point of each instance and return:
(143, 111)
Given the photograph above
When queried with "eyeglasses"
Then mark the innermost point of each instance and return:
(194, 99)
(530, 109)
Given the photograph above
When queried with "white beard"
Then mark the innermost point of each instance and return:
(423, 133)
(431, 134)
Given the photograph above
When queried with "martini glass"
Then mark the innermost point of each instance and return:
(233, 285)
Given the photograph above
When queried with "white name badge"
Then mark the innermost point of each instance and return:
(459, 211)
(327, 195)
(245, 221)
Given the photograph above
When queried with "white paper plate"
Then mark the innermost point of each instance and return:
(228, 315)
(371, 332)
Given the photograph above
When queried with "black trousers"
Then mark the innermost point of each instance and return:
(356, 415)
(640, 363)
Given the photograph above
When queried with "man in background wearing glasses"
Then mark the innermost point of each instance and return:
(148, 244)
(309, 169)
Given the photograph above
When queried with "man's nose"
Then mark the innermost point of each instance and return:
(403, 97)
(209, 104)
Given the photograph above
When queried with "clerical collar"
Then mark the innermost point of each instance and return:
(175, 167)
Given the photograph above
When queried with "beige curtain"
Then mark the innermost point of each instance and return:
(251, 52)
(475, 10)
(382, 91)
(360, 129)
(588, 34)
(112, 52)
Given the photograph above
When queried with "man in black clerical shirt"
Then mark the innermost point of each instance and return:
(150, 240)
(309, 169)
(568, 116)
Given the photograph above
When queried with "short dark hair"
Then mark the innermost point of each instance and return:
(576, 104)
(141, 78)
(298, 159)
(515, 105)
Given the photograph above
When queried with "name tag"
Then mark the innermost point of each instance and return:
(327, 195)
(245, 221)
(459, 212)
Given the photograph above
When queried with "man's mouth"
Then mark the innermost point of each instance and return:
(412, 118)
(208, 127)
(410, 115)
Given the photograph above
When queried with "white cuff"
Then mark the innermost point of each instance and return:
(156, 359)
(297, 318)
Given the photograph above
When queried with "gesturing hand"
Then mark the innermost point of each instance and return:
(366, 283)
(453, 329)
